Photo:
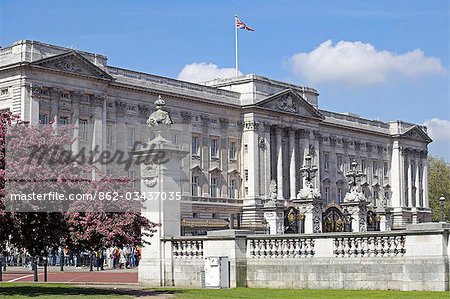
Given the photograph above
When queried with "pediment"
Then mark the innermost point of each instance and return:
(72, 62)
(289, 101)
(417, 133)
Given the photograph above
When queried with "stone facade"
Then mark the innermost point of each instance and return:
(241, 133)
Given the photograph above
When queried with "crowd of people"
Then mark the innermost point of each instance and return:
(114, 258)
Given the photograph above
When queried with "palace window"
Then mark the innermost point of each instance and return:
(339, 195)
(63, 121)
(340, 163)
(195, 145)
(375, 168)
(108, 135)
(232, 150)
(214, 186)
(43, 119)
(326, 161)
(82, 130)
(363, 166)
(375, 197)
(232, 188)
(131, 135)
(214, 143)
(327, 194)
(195, 184)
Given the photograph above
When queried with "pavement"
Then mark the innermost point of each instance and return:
(73, 275)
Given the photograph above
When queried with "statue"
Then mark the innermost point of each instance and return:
(273, 190)
(159, 120)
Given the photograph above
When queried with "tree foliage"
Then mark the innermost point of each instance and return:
(439, 185)
(88, 225)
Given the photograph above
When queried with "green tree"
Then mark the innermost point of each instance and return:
(438, 185)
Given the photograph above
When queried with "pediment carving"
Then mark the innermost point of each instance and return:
(72, 62)
(417, 133)
(290, 101)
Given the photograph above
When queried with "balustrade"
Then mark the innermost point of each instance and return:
(370, 246)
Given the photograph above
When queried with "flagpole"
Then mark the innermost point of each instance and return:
(236, 44)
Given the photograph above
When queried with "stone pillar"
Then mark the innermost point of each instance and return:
(160, 173)
(97, 104)
(292, 164)
(425, 182)
(316, 160)
(279, 131)
(55, 95)
(385, 215)
(312, 211)
(252, 157)
(304, 150)
(358, 212)
(274, 216)
(409, 182)
(76, 120)
(266, 146)
(417, 182)
(397, 176)
(30, 111)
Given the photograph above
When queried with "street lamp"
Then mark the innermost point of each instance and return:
(441, 202)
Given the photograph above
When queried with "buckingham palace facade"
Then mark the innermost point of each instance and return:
(242, 133)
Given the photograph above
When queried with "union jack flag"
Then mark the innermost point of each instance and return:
(241, 25)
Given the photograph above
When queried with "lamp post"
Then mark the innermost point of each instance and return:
(308, 170)
(442, 202)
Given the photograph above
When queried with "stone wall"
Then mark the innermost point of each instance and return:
(412, 259)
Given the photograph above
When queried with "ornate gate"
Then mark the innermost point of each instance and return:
(293, 221)
(333, 220)
(373, 221)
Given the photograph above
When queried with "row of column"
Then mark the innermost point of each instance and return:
(402, 176)
(305, 142)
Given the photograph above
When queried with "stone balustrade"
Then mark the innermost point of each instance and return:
(280, 247)
(413, 259)
(187, 248)
(376, 246)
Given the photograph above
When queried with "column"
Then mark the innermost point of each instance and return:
(279, 131)
(304, 150)
(397, 175)
(417, 181)
(316, 161)
(97, 103)
(409, 180)
(30, 103)
(425, 181)
(55, 94)
(292, 164)
(252, 157)
(75, 120)
(267, 159)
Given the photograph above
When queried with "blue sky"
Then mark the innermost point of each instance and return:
(383, 60)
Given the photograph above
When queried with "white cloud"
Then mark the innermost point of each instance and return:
(199, 72)
(438, 129)
(358, 63)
